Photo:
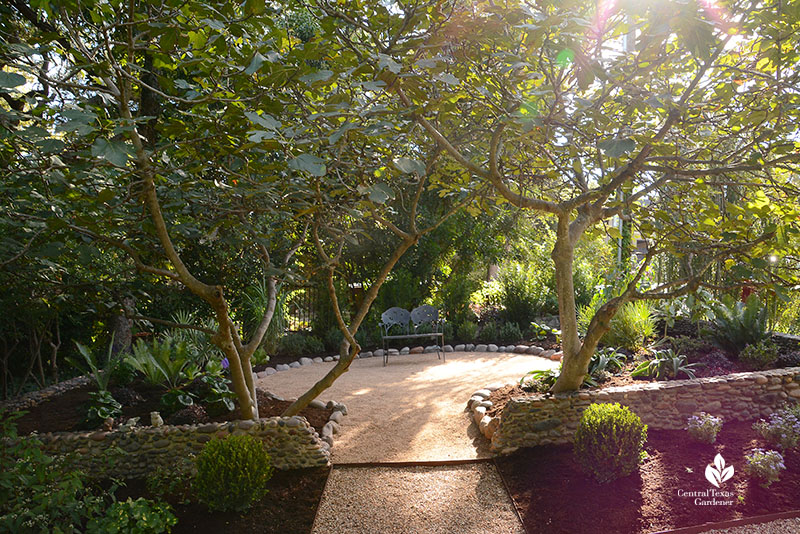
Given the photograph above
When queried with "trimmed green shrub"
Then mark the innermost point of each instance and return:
(488, 333)
(300, 344)
(141, 516)
(509, 332)
(609, 442)
(759, 355)
(232, 473)
(467, 331)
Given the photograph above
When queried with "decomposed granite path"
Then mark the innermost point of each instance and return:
(464, 499)
(413, 410)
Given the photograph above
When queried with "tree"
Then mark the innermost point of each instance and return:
(151, 129)
(542, 102)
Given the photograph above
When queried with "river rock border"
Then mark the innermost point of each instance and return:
(291, 442)
(543, 419)
(33, 398)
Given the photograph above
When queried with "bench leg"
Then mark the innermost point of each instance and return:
(385, 354)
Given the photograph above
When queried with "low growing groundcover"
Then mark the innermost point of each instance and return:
(288, 508)
(669, 491)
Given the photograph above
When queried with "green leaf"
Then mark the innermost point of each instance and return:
(9, 80)
(408, 166)
(266, 120)
(112, 151)
(255, 7)
(335, 136)
(447, 78)
(105, 195)
(308, 163)
(380, 193)
(255, 64)
(316, 76)
(385, 62)
(615, 148)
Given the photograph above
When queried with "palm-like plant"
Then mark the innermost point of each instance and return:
(162, 363)
(738, 324)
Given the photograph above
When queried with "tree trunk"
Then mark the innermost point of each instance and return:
(577, 353)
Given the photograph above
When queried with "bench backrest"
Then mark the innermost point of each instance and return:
(424, 315)
(396, 317)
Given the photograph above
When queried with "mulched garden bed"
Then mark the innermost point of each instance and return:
(65, 412)
(288, 508)
(554, 496)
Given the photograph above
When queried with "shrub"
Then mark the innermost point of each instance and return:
(760, 355)
(509, 332)
(488, 333)
(609, 442)
(141, 516)
(738, 324)
(632, 325)
(36, 493)
(333, 338)
(300, 344)
(232, 473)
(467, 331)
(765, 465)
(526, 292)
(782, 429)
(704, 427)
(172, 484)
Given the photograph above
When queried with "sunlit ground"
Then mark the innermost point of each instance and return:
(411, 410)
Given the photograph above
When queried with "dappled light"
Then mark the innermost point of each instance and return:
(414, 408)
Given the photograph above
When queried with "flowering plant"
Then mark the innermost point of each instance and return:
(704, 427)
(783, 428)
(766, 465)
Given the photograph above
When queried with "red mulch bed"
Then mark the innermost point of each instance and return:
(554, 496)
(65, 412)
(288, 508)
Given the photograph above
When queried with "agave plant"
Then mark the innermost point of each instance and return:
(665, 364)
(603, 363)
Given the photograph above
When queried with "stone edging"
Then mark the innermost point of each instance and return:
(33, 398)
(470, 347)
(543, 419)
(291, 442)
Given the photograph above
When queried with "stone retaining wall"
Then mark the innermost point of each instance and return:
(545, 419)
(291, 441)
